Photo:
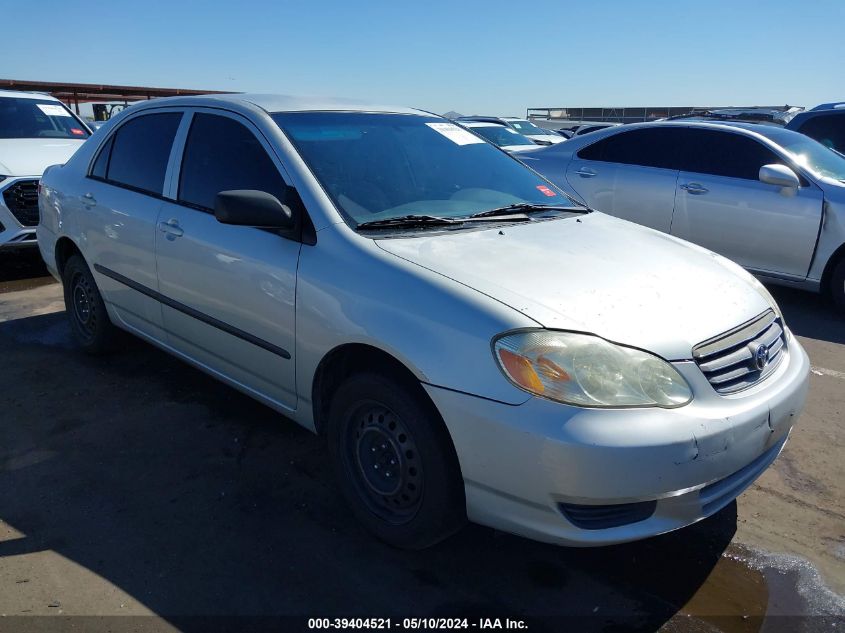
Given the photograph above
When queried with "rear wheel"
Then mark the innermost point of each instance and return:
(86, 311)
(395, 462)
(837, 285)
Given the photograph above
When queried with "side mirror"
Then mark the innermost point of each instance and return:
(780, 176)
(247, 207)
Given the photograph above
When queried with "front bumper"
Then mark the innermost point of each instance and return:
(520, 463)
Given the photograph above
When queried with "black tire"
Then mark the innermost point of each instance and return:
(89, 321)
(376, 422)
(837, 285)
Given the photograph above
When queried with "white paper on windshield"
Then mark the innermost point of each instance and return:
(455, 134)
(52, 109)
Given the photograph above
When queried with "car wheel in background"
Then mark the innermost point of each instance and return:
(86, 311)
(837, 285)
(395, 462)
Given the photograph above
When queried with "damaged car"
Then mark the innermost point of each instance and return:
(470, 342)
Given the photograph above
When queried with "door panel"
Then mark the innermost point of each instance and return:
(228, 292)
(750, 222)
(630, 174)
(722, 205)
(645, 195)
(120, 201)
(229, 298)
(121, 240)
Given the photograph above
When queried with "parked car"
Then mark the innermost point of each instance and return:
(825, 123)
(36, 130)
(768, 198)
(470, 341)
(500, 135)
(523, 126)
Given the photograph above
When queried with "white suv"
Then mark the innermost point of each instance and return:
(36, 131)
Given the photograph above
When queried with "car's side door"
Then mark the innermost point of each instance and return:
(120, 200)
(228, 292)
(722, 205)
(630, 174)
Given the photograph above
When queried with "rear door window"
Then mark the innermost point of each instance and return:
(727, 154)
(140, 150)
(647, 147)
(827, 129)
(222, 154)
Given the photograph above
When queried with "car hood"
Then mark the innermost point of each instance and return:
(626, 283)
(31, 156)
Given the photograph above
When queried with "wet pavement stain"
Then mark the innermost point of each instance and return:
(749, 591)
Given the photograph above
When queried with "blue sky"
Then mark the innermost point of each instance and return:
(473, 57)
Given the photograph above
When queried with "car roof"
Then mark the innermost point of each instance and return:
(18, 94)
(284, 103)
(836, 105)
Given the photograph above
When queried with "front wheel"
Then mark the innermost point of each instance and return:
(86, 311)
(837, 285)
(395, 462)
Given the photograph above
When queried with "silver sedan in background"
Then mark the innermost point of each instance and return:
(768, 198)
(470, 341)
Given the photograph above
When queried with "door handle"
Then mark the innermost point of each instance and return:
(171, 229)
(694, 188)
(586, 172)
(88, 200)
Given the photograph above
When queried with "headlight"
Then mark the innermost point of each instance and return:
(585, 370)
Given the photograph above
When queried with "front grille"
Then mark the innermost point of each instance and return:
(22, 200)
(744, 356)
(607, 516)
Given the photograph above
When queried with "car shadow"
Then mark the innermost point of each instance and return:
(21, 269)
(810, 315)
(199, 502)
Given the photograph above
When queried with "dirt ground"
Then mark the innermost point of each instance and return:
(135, 485)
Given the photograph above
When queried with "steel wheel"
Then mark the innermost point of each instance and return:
(83, 305)
(383, 458)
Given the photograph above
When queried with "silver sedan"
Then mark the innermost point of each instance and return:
(768, 198)
(471, 342)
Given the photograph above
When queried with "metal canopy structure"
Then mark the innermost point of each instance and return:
(74, 94)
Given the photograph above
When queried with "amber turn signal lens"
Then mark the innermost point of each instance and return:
(520, 370)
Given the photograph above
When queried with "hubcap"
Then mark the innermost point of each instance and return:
(385, 462)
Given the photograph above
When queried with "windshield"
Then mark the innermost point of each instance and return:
(526, 127)
(380, 166)
(501, 135)
(38, 118)
(809, 153)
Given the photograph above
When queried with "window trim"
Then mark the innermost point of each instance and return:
(108, 142)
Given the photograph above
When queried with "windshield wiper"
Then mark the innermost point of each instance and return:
(407, 221)
(525, 207)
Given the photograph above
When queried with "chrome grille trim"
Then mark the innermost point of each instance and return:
(728, 360)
